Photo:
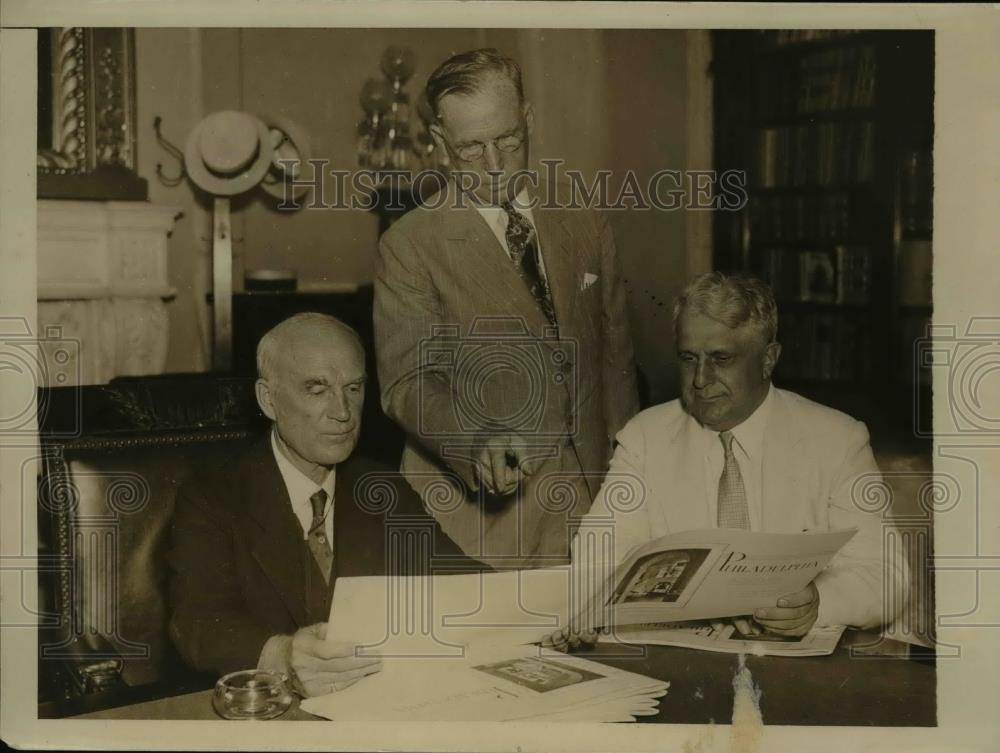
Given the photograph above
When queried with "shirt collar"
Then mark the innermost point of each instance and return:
(750, 433)
(300, 487)
(522, 204)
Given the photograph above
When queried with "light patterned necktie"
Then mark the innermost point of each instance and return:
(733, 511)
(319, 544)
(523, 249)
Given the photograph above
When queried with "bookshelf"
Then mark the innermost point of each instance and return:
(834, 131)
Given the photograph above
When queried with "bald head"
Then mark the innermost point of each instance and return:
(312, 386)
(308, 330)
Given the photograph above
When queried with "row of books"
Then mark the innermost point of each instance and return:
(784, 37)
(841, 79)
(843, 275)
(824, 154)
(916, 193)
(823, 217)
(837, 79)
(914, 273)
(824, 346)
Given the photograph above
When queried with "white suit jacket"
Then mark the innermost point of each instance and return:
(816, 462)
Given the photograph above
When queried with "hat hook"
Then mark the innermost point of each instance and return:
(168, 180)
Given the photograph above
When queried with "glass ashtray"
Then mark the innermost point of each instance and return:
(251, 694)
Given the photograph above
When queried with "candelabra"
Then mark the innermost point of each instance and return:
(384, 140)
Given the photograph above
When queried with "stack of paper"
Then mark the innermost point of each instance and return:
(453, 649)
(519, 683)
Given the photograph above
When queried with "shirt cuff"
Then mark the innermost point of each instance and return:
(275, 654)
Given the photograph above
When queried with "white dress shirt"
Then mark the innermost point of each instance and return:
(748, 447)
(300, 488)
(497, 219)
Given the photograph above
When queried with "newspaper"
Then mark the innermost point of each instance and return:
(716, 635)
(698, 575)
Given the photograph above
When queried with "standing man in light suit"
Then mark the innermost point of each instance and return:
(736, 452)
(501, 332)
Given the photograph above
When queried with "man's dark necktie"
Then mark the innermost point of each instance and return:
(523, 249)
(319, 545)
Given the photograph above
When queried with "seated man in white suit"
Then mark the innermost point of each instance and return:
(736, 452)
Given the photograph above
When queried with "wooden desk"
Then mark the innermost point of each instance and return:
(840, 689)
(191, 706)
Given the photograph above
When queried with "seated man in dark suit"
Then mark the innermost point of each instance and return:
(258, 544)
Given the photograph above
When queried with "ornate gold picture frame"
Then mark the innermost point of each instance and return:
(87, 114)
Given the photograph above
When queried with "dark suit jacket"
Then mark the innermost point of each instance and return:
(242, 572)
(444, 266)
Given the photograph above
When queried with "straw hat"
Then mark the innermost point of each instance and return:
(228, 153)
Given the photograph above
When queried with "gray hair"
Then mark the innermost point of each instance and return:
(268, 346)
(734, 300)
(464, 74)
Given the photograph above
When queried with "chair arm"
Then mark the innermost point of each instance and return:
(93, 664)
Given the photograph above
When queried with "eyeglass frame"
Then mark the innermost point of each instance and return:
(521, 135)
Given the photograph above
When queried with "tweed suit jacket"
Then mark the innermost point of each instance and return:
(465, 353)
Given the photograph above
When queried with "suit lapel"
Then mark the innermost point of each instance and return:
(560, 263)
(273, 532)
(475, 249)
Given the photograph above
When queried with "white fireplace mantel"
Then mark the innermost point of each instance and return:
(102, 285)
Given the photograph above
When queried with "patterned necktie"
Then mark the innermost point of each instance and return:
(319, 545)
(524, 251)
(733, 511)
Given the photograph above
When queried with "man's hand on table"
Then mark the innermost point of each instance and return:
(319, 667)
(569, 639)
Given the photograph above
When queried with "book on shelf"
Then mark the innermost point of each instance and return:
(853, 274)
(806, 218)
(839, 79)
(916, 193)
(787, 37)
(779, 268)
(767, 158)
(912, 368)
(817, 154)
(808, 276)
(817, 277)
(805, 338)
(914, 273)
(821, 361)
(824, 345)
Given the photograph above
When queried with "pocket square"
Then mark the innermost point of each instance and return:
(589, 278)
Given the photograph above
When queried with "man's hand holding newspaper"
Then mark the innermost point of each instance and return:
(658, 583)
(793, 615)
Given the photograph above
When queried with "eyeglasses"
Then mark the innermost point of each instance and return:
(474, 151)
